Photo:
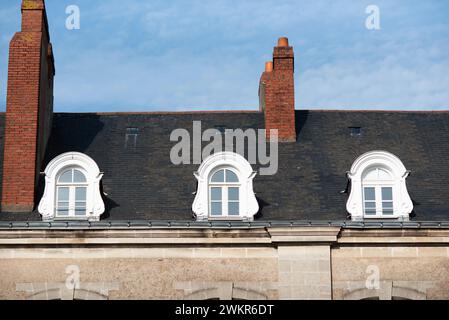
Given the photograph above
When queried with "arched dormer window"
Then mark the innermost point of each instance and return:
(71, 193)
(225, 188)
(378, 188)
(72, 189)
(377, 184)
(224, 193)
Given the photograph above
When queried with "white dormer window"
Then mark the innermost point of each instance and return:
(378, 188)
(72, 189)
(225, 188)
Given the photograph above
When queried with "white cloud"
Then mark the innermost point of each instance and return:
(381, 85)
(162, 55)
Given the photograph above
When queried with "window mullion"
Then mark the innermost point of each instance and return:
(72, 201)
(378, 200)
(225, 200)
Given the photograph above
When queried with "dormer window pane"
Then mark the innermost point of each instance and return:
(387, 208)
(63, 201)
(78, 176)
(233, 194)
(369, 200)
(80, 210)
(215, 208)
(233, 208)
(233, 201)
(370, 194)
(66, 177)
(387, 200)
(63, 194)
(218, 176)
(80, 194)
(215, 194)
(231, 176)
(80, 201)
(63, 209)
(387, 193)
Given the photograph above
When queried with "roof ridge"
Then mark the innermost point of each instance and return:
(122, 113)
(375, 110)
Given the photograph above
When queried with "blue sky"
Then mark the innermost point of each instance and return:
(132, 55)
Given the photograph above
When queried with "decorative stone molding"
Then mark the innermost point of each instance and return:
(94, 202)
(226, 159)
(403, 205)
(387, 290)
(225, 290)
(59, 290)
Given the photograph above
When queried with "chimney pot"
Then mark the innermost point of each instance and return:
(283, 42)
(268, 66)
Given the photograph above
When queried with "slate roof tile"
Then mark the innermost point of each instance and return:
(142, 184)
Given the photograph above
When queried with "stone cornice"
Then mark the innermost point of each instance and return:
(255, 237)
(394, 236)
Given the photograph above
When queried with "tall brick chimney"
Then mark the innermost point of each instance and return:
(277, 92)
(29, 108)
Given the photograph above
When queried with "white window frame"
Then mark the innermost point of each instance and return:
(402, 204)
(248, 205)
(94, 202)
(377, 185)
(224, 186)
(72, 186)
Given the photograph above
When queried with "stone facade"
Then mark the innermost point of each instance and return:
(272, 263)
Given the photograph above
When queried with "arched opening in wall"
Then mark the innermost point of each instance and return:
(386, 293)
(58, 294)
(52, 294)
(204, 294)
(81, 294)
(247, 294)
(226, 293)
(392, 298)
(402, 293)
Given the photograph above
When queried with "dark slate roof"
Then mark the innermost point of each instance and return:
(142, 183)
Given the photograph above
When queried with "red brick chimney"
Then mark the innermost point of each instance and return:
(29, 108)
(277, 92)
